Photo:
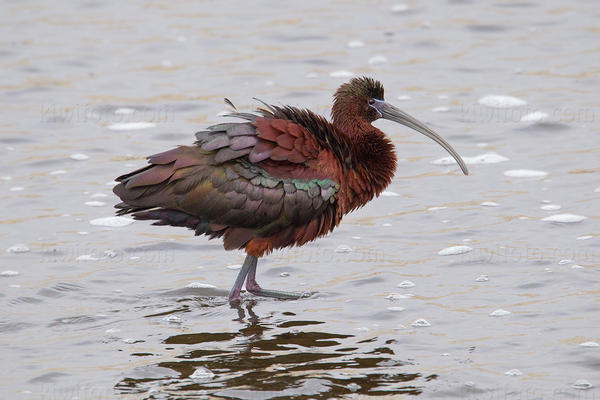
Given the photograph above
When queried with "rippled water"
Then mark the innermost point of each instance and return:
(445, 287)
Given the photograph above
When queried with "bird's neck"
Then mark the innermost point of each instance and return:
(372, 166)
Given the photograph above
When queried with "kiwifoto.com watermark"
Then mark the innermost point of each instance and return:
(511, 253)
(477, 113)
(83, 254)
(93, 113)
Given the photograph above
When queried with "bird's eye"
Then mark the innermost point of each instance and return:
(371, 101)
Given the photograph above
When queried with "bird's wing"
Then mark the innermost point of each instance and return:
(254, 179)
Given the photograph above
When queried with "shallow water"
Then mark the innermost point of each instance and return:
(97, 312)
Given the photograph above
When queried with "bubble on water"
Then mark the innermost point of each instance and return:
(513, 372)
(597, 190)
(575, 266)
(341, 74)
(565, 218)
(403, 97)
(202, 373)
(234, 266)
(482, 144)
(112, 330)
(563, 262)
(6, 178)
(499, 313)
(395, 309)
(445, 354)
(200, 285)
(124, 111)
(97, 195)
(79, 157)
(9, 273)
(547, 269)
(131, 126)
(550, 207)
(281, 368)
(110, 253)
(420, 323)
(535, 116)
(18, 248)
(94, 203)
(482, 278)
(58, 172)
(134, 258)
(440, 109)
(386, 224)
(398, 296)
(589, 344)
(172, 319)
(455, 250)
(311, 75)
(389, 193)
(406, 284)
(585, 237)
(355, 43)
(113, 222)
(356, 237)
(581, 384)
(284, 274)
(17, 189)
(88, 257)
(489, 204)
(501, 101)
(525, 173)
(342, 248)
(400, 327)
(485, 158)
(375, 60)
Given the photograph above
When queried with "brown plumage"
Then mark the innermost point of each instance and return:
(282, 177)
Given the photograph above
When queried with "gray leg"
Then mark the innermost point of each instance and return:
(253, 287)
(234, 293)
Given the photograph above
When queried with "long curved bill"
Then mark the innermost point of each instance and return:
(390, 112)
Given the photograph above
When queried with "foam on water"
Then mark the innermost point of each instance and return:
(581, 384)
(499, 313)
(124, 111)
(395, 309)
(489, 204)
(17, 189)
(482, 278)
(550, 207)
(399, 8)
(501, 101)
(342, 248)
(355, 43)
(535, 116)
(94, 203)
(18, 248)
(485, 158)
(9, 272)
(437, 208)
(406, 284)
(513, 372)
(131, 126)
(403, 97)
(58, 172)
(398, 296)
(440, 109)
(79, 157)
(97, 195)
(389, 193)
(565, 218)
(113, 222)
(525, 173)
(589, 344)
(585, 237)
(234, 266)
(88, 257)
(377, 60)
(455, 250)
(420, 323)
(341, 74)
(200, 285)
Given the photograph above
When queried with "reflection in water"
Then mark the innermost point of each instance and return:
(275, 359)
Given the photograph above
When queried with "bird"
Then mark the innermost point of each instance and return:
(278, 177)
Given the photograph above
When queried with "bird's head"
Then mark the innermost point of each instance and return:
(362, 98)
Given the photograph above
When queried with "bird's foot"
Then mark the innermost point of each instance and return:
(255, 289)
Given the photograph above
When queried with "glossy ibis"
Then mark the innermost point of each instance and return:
(282, 177)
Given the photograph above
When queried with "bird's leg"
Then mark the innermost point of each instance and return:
(253, 287)
(234, 293)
